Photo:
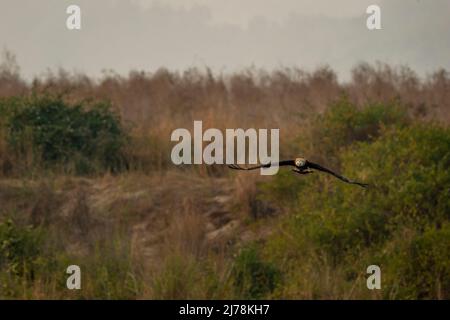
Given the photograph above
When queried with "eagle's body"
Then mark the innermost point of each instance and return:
(301, 166)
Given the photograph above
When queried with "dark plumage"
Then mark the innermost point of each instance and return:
(301, 166)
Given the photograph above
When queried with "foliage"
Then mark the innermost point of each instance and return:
(19, 248)
(319, 247)
(81, 137)
(427, 271)
(407, 169)
(344, 123)
(253, 277)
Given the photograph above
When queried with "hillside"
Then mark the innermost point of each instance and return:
(86, 179)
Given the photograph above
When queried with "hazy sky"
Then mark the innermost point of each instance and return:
(224, 34)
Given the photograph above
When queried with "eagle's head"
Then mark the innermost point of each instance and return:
(300, 162)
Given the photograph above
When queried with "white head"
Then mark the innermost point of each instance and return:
(300, 162)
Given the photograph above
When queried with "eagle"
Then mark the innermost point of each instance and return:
(301, 166)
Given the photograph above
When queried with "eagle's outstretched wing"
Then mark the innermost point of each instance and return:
(280, 164)
(313, 165)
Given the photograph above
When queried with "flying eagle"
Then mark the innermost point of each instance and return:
(301, 166)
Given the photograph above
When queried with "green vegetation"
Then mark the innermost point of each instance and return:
(46, 131)
(407, 167)
(344, 124)
(252, 276)
(21, 258)
(151, 230)
(19, 249)
(33, 265)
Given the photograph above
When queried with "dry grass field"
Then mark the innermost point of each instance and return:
(140, 227)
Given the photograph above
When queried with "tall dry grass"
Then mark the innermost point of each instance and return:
(153, 104)
(173, 232)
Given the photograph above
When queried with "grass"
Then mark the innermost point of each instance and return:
(141, 228)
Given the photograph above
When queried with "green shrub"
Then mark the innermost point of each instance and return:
(29, 261)
(20, 248)
(253, 277)
(427, 273)
(417, 266)
(408, 172)
(344, 123)
(407, 169)
(330, 134)
(78, 137)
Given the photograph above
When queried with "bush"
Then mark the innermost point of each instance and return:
(253, 277)
(344, 123)
(20, 248)
(417, 264)
(427, 271)
(330, 134)
(81, 137)
(407, 169)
